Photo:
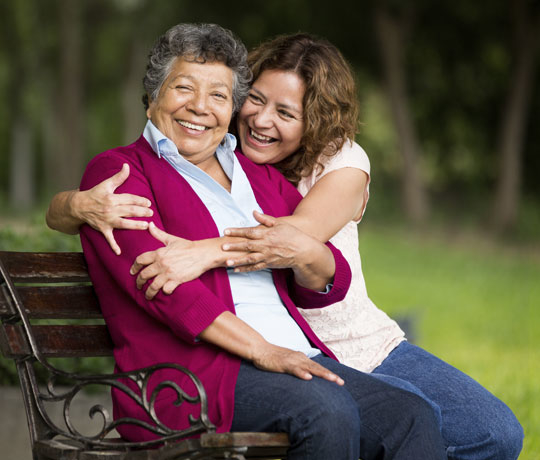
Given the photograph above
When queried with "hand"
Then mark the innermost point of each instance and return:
(278, 359)
(179, 261)
(104, 210)
(273, 244)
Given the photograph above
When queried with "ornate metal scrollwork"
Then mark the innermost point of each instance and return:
(139, 378)
(145, 401)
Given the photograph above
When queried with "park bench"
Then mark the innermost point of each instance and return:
(48, 309)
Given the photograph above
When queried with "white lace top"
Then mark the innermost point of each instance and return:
(360, 335)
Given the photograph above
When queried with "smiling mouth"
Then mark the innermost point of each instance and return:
(260, 138)
(187, 124)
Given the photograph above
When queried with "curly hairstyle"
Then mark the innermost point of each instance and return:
(329, 104)
(200, 43)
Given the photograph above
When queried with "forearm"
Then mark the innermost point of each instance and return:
(60, 213)
(316, 267)
(232, 334)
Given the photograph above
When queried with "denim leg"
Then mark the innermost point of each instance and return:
(475, 424)
(321, 418)
(366, 418)
(394, 424)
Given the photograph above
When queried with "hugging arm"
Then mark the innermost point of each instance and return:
(332, 202)
(100, 208)
(192, 311)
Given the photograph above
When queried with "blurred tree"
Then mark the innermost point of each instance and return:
(24, 61)
(524, 53)
(393, 24)
(69, 155)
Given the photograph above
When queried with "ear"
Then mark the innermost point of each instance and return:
(150, 107)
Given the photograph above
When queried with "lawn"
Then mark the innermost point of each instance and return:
(473, 303)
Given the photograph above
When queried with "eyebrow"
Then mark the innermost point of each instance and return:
(214, 84)
(280, 104)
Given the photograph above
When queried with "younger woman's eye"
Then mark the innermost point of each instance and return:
(255, 98)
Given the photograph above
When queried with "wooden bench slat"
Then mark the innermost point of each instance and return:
(59, 341)
(61, 302)
(45, 267)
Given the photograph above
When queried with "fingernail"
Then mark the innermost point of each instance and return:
(227, 232)
(230, 263)
(226, 247)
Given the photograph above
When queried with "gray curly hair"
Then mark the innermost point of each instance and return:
(200, 43)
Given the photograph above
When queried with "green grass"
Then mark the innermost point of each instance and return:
(475, 305)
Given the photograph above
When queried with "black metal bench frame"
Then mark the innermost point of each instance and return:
(56, 286)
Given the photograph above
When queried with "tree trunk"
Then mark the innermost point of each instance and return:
(21, 186)
(70, 155)
(133, 109)
(22, 153)
(390, 31)
(514, 118)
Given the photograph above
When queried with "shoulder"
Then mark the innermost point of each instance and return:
(138, 155)
(351, 155)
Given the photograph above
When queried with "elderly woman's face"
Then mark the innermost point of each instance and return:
(194, 108)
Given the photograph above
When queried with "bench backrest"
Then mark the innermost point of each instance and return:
(51, 286)
(48, 309)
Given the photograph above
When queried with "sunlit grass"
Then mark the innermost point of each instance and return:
(474, 304)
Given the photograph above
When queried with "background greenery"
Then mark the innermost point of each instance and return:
(453, 82)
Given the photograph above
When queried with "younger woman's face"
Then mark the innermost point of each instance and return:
(270, 123)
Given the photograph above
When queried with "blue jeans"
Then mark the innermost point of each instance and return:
(475, 424)
(365, 418)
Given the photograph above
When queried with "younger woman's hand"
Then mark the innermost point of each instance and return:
(273, 244)
(104, 210)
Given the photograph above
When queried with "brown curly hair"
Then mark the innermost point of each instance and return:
(329, 104)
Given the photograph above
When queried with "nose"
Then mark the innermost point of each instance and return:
(198, 103)
(263, 118)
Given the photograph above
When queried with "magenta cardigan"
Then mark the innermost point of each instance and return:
(165, 329)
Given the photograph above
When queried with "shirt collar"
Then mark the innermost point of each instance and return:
(163, 146)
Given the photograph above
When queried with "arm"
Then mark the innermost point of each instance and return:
(99, 207)
(317, 215)
(336, 199)
(234, 335)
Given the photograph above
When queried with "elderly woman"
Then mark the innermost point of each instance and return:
(262, 366)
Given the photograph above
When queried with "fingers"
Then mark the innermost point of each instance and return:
(120, 177)
(324, 373)
(246, 232)
(142, 260)
(264, 219)
(159, 234)
(132, 204)
(109, 236)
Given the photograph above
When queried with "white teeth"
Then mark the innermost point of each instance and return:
(260, 137)
(189, 125)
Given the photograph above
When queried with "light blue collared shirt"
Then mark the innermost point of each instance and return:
(255, 296)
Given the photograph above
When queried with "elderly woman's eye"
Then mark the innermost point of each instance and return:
(285, 114)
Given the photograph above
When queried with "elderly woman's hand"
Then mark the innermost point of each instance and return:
(278, 359)
(179, 261)
(104, 210)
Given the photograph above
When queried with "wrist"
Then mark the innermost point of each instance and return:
(73, 204)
